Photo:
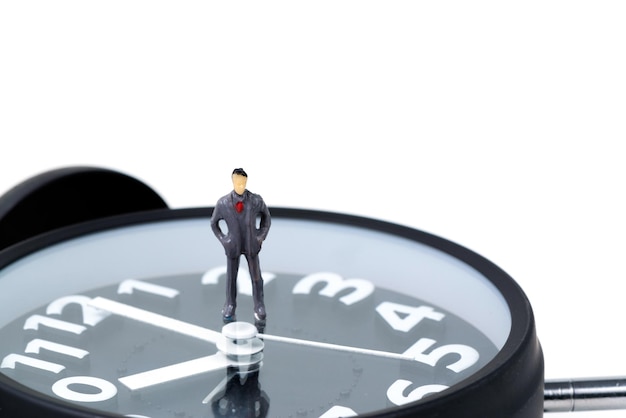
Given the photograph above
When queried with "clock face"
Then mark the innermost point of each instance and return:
(127, 321)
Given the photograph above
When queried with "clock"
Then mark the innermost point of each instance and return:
(118, 313)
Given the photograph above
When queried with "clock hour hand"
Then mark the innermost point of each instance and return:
(176, 371)
(239, 349)
(237, 343)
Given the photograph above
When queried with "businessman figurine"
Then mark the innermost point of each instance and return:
(239, 210)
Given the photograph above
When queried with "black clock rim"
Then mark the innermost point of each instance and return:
(510, 385)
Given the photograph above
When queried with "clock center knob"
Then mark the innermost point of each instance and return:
(240, 343)
(239, 331)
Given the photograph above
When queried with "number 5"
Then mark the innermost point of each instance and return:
(469, 356)
(395, 393)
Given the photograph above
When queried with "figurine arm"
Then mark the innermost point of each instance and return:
(266, 221)
(215, 219)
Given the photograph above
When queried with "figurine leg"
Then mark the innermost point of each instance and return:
(257, 287)
(232, 268)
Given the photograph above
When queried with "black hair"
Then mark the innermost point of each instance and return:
(240, 172)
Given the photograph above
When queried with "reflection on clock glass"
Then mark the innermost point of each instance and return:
(70, 350)
(363, 329)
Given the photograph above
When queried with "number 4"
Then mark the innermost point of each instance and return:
(413, 315)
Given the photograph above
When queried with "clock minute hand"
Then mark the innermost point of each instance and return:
(160, 321)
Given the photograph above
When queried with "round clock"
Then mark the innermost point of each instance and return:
(120, 315)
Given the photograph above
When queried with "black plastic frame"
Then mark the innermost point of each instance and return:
(65, 196)
(510, 385)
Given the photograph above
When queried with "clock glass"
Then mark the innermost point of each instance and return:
(122, 317)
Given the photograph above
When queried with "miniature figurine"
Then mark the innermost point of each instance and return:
(239, 210)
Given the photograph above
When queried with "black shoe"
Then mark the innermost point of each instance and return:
(228, 314)
(259, 313)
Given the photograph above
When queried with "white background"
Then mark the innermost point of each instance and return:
(494, 124)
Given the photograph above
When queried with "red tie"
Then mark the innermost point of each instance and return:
(239, 207)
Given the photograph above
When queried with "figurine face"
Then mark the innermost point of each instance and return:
(239, 183)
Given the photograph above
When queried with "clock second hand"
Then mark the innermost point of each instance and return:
(335, 347)
(205, 334)
(602, 395)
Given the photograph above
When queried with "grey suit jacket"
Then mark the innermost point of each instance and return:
(242, 236)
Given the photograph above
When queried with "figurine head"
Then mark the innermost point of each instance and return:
(240, 178)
